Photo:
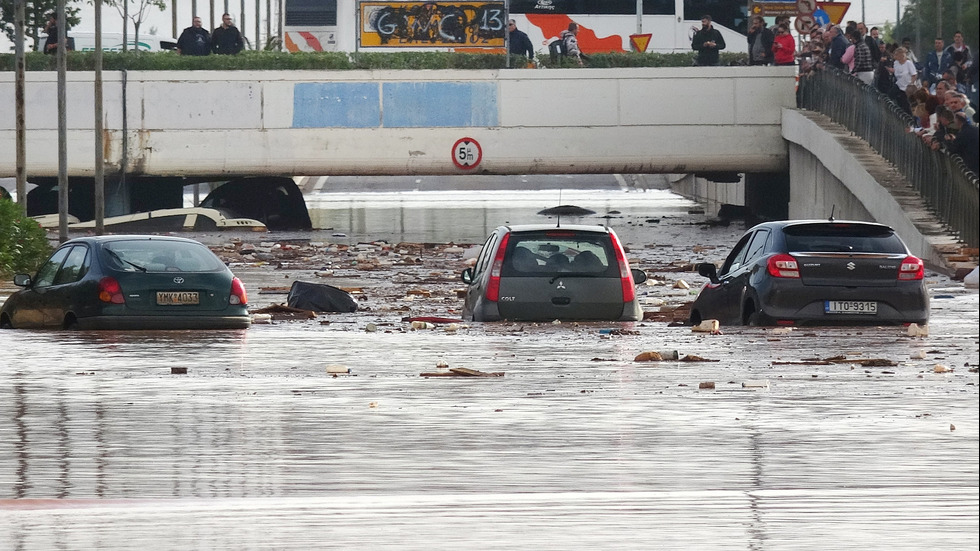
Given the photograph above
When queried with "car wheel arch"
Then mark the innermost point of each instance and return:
(695, 317)
(750, 312)
(5, 322)
(70, 321)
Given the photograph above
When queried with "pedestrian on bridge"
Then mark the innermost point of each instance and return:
(760, 42)
(707, 42)
(227, 39)
(195, 40)
(520, 43)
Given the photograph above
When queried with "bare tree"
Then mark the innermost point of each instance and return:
(138, 13)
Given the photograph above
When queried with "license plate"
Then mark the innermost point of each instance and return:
(850, 307)
(169, 298)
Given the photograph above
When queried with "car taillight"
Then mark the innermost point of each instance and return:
(783, 265)
(493, 286)
(625, 276)
(110, 291)
(911, 269)
(238, 295)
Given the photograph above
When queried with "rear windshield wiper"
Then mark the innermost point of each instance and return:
(120, 259)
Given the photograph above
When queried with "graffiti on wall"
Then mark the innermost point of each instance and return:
(432, 24)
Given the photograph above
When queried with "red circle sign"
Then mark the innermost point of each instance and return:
(467, 153)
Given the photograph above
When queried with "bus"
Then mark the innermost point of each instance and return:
(604, 25)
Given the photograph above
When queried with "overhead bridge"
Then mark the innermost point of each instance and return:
(223, 124)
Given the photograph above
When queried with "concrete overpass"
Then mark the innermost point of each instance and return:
(225, 124)
(197, 125)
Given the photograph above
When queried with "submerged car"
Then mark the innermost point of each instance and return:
(129, 282)
(815, 272)
(544, 273)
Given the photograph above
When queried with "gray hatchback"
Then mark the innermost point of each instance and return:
(815, 272)
(544, 273)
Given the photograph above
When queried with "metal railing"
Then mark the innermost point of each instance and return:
(948, 188)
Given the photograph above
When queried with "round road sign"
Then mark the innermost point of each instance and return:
(806, 7)
(804, 23)
(467, 153)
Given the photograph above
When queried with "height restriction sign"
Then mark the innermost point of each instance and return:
(467, 153)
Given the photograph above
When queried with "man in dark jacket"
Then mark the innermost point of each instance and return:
(760, 42)
(520, 44)
(836, 47)
(707, 42)
(51, 28)
(961, 138)
(194, 40)
(227, 39)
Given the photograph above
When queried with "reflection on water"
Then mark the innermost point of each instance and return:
(257, 446)
(469, 216)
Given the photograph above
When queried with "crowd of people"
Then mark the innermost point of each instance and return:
(936, 93)
(196, 40)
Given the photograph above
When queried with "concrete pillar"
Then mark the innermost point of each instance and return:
(767, 194)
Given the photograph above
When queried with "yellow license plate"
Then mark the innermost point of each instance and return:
(169, 298)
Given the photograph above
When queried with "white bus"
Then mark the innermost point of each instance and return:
(605, 25)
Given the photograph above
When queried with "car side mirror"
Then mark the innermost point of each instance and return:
(639, 276)
(467, 276)
(708, 270)
(22, 280)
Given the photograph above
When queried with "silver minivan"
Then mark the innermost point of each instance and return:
(544, 273)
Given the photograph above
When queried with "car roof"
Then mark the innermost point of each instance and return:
(779, 224)
(518, 228)
(99, 239)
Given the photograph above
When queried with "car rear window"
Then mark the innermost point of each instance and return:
(843, 238)
(544, 254)
(159, 256)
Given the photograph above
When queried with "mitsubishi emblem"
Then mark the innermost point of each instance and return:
(561, 285)
(178, 280)
(851, 266)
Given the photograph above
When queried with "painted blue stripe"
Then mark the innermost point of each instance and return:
(336, 105)
(439, 104)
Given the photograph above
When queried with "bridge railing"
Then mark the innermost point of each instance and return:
(942, 180)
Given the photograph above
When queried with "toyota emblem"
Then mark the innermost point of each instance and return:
(178, 280)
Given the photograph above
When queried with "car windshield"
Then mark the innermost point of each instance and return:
(858, 238)
(159, 256)
(542, 254)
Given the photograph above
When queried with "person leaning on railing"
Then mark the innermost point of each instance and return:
(957, 136)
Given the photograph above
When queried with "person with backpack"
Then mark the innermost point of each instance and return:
(569, 44)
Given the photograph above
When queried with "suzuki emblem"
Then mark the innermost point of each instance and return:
(561, 285)
(178, 280)
(851, 266)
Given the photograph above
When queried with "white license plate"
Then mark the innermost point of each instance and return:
(169, 298)
(867, 307)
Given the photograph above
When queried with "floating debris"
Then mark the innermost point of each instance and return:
(566, 210)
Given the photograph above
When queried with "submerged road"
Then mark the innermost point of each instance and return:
(818, 438)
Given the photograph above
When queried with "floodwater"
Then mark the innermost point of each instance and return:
(573, 446)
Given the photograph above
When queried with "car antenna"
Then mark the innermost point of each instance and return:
(832, 209)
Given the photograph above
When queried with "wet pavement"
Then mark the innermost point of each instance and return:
(815, 438)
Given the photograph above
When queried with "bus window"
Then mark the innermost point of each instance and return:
(310, 13)
(592, 7)
(732, 14)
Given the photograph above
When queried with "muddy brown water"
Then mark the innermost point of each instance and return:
(576, 446)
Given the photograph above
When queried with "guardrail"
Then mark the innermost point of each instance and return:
(942, 180)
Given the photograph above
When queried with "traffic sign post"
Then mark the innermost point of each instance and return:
(467, 153)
